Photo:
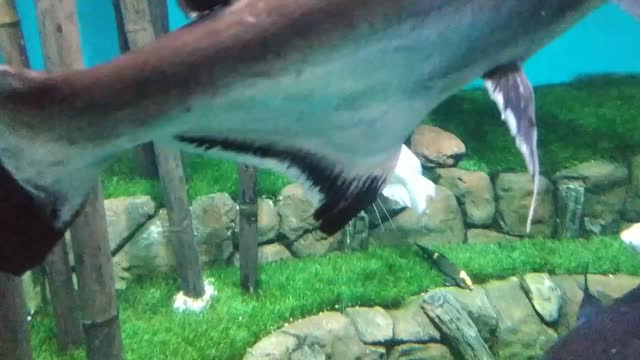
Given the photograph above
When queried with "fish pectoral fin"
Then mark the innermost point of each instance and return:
(343, 191)
(630, 6)
(14, 78)
(34, 216)
(512, 92)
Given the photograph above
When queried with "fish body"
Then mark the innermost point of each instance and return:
(453, 274)
(323, 91)
(610, 334)
(631, 236)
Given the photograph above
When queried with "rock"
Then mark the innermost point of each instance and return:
(214, 221)
(268, 253)
(603, 211)
(125, 215)
(632, 204)
(316, 243)
(544, 295)
(356, 233)
(513, 193)
(268, 220)
(330, 331)
(571, 297)
(441, 224)
(474, 192)
(485, 236)
(296, 211)
(373, 325)
(420, 352)
(276, 346)
(606, 188)
(476, 304)
(410, 324)
(521, 335)
(149, 251)
(570, 207)
(436, 147)
(597, 175)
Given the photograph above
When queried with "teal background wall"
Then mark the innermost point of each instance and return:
(605, 42)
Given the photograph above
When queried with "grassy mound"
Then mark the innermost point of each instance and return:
(301, 287)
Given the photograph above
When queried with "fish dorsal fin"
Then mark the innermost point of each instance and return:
(630, 6)
(512, 92)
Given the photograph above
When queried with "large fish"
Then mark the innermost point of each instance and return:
(612, 333)
(324, 91)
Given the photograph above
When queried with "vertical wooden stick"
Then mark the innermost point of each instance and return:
(248, 229)
(94, 270)
(143, 21)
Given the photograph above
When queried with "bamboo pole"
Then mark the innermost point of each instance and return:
(96, 284)
(248, 229)
(14, 328)
(143, 21)
(94, 269)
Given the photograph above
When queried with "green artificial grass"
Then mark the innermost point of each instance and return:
(591, 118)
(297, 288)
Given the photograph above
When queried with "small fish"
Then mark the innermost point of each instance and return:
(590, 304)
(610, 334)
(453, 274)
(407, 186)
(631, 236)
(323, 91)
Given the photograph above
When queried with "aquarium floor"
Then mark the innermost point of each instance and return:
(293, 289)
(591, 118)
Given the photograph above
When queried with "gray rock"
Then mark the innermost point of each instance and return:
(413, 351)
(632, 204)
(316, 243)
(306, 352)
(410, 324)
(571, 297)
(330, 331)
(214, 221)
(486, 236)
(441, 224)
(597, 175)
(276, 346)
(374, 325)
(125, 215)
(476, 304)
(149, 251)
(267, 253)
(356, 233)
(521, 335)
(570, 207)
(296, 211)
(513, 193)
(268, 220)
(603, 211)
(436, 147)
(544, 295)
(474, 192)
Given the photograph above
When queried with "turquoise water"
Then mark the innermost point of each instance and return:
(606, 41)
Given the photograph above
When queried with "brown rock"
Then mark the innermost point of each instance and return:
(296, 211)
(474, 192)
(486, 236)
(436, 147)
